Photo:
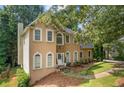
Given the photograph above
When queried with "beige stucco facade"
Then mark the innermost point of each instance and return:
(43, 47)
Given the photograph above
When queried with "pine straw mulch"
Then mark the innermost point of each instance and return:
(57, 79)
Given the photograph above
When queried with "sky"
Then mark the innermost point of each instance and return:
(46, 7)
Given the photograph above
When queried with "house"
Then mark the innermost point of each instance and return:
(111, 51)
(41, 48)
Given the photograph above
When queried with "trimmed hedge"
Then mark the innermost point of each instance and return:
(22, 78)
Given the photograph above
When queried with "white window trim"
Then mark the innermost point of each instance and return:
(62, 38)
(47, 60)
(40, 34)
(69, 39)
(47, 35)
(74, 56)
(69, 55)
(34, 60)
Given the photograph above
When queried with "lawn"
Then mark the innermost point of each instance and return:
(11, 81)
(98, 68)
(108, 81)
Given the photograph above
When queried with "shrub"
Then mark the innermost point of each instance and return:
(22, 78)
(68, 63)
(77, 63)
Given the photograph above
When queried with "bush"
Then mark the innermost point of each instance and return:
(77, 63)
(22, 78)
(68, 63)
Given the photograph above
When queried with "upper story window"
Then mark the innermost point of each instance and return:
(81, 54)
(89, 53)
(59, 39)
(37, 34)
(49, 35)
(67, 39)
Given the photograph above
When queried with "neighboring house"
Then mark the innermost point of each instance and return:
(112, 52)
(42, 48)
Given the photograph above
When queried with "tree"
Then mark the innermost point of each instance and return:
(9, 18)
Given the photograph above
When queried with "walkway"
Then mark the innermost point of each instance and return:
(114, 61)
(102, 74)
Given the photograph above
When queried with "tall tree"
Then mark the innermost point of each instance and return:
(9, 18)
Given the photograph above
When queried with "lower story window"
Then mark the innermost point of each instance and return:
(49, 63)
(37, 61)
(67, 57)
(75, 56)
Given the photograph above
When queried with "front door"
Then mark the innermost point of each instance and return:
(60, 58)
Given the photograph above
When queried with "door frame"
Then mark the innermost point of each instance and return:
(62, 58)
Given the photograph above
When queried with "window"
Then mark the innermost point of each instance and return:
(81, 54)
(75, 41)
(89, 53)
(67, 39)
(59, 39)
(75, 56)
(49, 36)
(49, 60)
(67, 57)
(37, 61)
(37, 34)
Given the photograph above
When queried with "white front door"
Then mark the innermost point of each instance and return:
(60, 58)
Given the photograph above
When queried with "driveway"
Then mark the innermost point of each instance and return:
(57, 79)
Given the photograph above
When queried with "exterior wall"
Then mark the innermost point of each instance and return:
(26, 52)
(71, 47)
(85, 52)
(43, 47)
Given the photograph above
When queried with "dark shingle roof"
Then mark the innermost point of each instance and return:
(90, 45)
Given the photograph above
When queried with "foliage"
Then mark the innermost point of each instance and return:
(22, 78)
(9, 18)
(68, 63)
(76, 63)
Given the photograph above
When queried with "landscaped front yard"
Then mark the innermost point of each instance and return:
(11, 81)
(74, 77)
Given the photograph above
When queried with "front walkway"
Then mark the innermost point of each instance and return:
(114, 61)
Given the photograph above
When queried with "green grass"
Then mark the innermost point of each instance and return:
(108, 81)
(9, 82)
(98, 68)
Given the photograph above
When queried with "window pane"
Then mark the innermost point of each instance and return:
(49, 36)
(37, 34)
(37, 61)
(67, 38)
(59, 39)
(67, 57)
(81, 54)
(75, 57)
(89, 53)
(49, 60)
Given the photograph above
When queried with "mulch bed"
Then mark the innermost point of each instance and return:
(120, 82)
(57, 79)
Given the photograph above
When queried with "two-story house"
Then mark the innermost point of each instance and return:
(41, 48)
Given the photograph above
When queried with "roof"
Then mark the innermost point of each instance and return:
(89, 45)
